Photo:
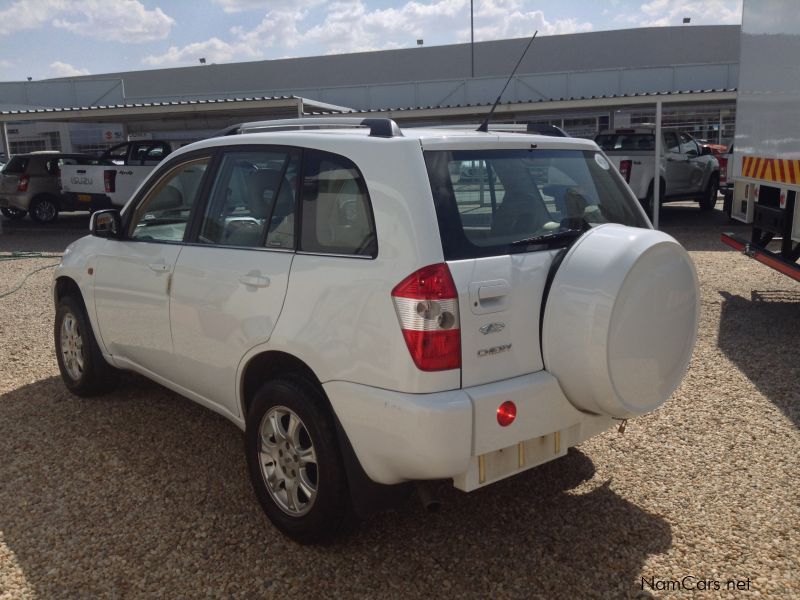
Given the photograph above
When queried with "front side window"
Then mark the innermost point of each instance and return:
(688, 145)
(510, 196)
(252, 201)
(337, 214)
(164, 213)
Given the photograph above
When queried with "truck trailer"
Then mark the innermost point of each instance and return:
(766, 169)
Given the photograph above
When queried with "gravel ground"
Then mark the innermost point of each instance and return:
(142, 493)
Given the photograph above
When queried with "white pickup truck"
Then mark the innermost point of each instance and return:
(688, 170)
(96, 187)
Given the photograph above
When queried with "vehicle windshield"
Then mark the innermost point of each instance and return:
(493, 202)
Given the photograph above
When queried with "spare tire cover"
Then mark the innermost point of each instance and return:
(621, 320)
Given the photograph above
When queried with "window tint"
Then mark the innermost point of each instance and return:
(18, 164)
(165, 210)
(252, 201)
(522, 194)
(626, 141)
(337, 215)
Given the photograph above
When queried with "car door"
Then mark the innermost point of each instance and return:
(695, 163)
(230, 282)
(677, 166)
(132, 276)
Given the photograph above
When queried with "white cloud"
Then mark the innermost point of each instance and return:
(29, 15)
(62, 69)
(214, 51)
(235, 6)
(351, 26)
(125, 21)
(660, 13)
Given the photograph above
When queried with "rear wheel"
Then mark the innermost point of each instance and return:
(15, 214)
(709, 198)
(44, 209)
(84, 370)
(294, 460)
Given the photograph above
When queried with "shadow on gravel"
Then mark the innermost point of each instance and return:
(144, 493)
(699, 230)
(759, 335)
(28, 236)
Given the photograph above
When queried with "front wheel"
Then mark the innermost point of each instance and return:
(709, 199)
(295, 465)
(83, 369)
(15, 214)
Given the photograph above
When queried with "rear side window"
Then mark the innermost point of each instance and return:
(17, 165)
(336, 211)
(489, 201)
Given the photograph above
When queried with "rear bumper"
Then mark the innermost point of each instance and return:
(22, 202)
(455, 435)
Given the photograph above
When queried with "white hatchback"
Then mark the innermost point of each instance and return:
(374, 306)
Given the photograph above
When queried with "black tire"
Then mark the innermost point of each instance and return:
(44, 209)
(709, 199)
(15, 214)
(327, 514)
(727, 203)
(93, 375)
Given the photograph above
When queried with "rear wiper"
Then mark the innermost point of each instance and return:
(556, 236)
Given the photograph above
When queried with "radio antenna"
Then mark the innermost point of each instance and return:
(485, 125)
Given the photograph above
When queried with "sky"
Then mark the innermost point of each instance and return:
(43, 39)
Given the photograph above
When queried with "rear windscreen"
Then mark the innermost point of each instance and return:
(626, 141)
(486, 200)
(17, 165)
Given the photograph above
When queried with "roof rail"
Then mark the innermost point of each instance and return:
(378, 127)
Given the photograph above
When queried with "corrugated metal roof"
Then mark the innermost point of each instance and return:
(544, 100)
(150, 104)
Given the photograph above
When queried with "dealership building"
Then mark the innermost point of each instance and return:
(583, 82)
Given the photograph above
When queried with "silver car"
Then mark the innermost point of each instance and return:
(31, 183)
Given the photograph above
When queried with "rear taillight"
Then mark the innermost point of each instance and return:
(109, 180)
(625, 169)
(22, 185)
(427, 307)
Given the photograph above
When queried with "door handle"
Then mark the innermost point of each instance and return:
(254, 280)
(159, 267)
(490, 292)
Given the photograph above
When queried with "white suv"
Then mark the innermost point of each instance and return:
(369, 316)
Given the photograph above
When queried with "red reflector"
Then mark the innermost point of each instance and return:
(434, 350)
(22, 186)
(506, 413)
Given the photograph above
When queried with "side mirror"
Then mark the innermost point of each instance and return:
(106, 224)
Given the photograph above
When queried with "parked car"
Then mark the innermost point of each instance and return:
(99, 186)
(366, 321)
(31, 183)
(688, 171)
